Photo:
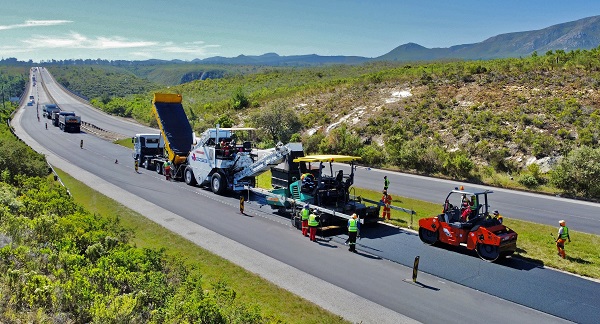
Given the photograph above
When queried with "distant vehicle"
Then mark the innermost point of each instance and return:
(30, 103)
(48, 109)
(31, 97)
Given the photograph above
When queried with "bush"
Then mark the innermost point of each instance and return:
(372, 155)
(528, 181)
(578, 173)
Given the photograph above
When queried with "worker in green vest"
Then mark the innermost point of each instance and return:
(386, 183)
(305, 213)
(313, 222)
(167, 168)
(563, 236)
(353, 228)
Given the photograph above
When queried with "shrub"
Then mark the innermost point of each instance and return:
(372, 155)
(528, 181)
(578, 173)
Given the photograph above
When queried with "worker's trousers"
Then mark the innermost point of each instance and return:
(305, 227)
(352, 241)
(313, 233)
(386, 213)
(560, 245)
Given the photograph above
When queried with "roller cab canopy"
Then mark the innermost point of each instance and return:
(327, 158)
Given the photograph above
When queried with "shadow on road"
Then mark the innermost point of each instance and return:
(380, 231)
(514, 262)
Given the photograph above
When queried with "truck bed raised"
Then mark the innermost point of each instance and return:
(174, 124)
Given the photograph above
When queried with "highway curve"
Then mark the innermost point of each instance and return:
(455, 286)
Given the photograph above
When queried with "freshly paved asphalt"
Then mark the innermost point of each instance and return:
(375, 274)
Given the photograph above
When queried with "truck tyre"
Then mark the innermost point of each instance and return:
(189, 177)
(159, 168)
(217, 185)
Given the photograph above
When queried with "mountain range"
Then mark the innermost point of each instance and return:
(580, 34)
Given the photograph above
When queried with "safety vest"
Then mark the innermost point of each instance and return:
(565, 233)
(312, 221)
(474, 202)
(353, 225)
(305, 214)
(386, 183)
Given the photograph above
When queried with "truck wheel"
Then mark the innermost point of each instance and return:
(189, 177)
(146, 164)
(427, 236)
(217, 185)
(159, 168)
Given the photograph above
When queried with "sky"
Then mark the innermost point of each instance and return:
(42, 30)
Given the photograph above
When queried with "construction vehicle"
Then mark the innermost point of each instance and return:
(147, 147)
(312, 180)
(465, 221)
(221, 158)
(69, 122)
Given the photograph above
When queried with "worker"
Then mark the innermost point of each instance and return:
(167, 167)
(465, 211)
(386, 200)
(497, 216)
(563, 235)
(386, 183)
(353, 228)
(474, 207)
(305, 213)
(46, 125)
(226, 148)
(308, 181)
(81, 144)
(313, 222)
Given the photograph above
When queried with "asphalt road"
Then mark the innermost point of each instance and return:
(376, 274)
(581, 216)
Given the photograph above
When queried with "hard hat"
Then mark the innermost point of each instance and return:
(496, 212)
(561, 222)
(306, 206)
(354, 216)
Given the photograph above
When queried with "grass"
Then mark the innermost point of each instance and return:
(534, 243)
(276, 304)
(124, 142)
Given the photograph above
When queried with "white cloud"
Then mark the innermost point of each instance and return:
(141, 49)
(35, 23)
(76, 40)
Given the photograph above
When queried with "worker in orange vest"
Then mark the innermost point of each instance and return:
(387, 201)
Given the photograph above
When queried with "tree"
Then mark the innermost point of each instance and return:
(578, 173)
(278, 121)
(240, 100)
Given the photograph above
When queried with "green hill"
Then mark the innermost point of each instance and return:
(482, 121)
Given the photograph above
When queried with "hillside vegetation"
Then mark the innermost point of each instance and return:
(529, 122)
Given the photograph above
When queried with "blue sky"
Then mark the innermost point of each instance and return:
(188, 29)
